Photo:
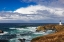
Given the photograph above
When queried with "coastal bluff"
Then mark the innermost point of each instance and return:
(50, 27)
(58, 36)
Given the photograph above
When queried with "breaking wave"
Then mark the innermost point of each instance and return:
(4, 33)
(12, 28)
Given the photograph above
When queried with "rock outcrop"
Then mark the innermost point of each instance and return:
(56, 37)
(40, 28)
(59, 27)
(22, 40)
(50, 26)
(1, 31)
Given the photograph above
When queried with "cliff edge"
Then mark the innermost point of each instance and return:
(56, 37)
(50, 26)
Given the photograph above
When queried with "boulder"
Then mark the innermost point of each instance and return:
(1, 31)
(40, 28)
(22, 40)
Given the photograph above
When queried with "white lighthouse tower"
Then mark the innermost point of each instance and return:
(60, 23)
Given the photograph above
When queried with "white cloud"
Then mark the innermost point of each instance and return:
(33, 12)
(34, 8)
(1, 18)
(31, 9)
(28, 10)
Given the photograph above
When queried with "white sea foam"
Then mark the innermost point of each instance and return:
(44, 33)
(27, 37)
(41, 32)
(33, 29)
(14, 40)
(21, 29)
(3, 33)
(18, 28)
(12, 28)
(24, 37)
(50, 31)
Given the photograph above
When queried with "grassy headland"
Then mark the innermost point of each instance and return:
(58, 36)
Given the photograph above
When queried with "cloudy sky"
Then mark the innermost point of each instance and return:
(31, 11)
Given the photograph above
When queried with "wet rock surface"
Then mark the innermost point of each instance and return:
(1, 31)
(22, 40)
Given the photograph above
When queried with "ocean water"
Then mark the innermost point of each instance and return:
(27, 31)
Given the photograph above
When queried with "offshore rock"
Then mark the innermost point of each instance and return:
(1, 31)
(22, 40)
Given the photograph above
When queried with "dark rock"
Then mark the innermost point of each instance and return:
(1, 31)
(22, 40)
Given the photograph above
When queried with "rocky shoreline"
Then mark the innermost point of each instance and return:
(58, 36)
(50, 27)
